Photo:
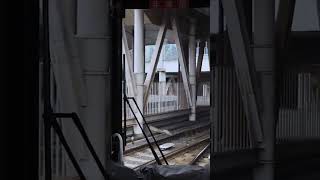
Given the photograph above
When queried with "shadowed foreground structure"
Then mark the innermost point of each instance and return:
(105, 82)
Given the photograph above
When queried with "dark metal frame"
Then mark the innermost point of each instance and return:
(76, 120)
(46, 90)
(124, 89)
(50, 118)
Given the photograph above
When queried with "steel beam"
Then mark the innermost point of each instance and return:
(240, 49)
(192, 68)
(155, 59)
(284, 21)
(131, 81)
(182, 61)
(130, 78)
(139, 62)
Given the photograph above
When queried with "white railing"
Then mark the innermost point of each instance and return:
(168, 99)
(161, 103)
(203, 100)
(157, 104)
(203, 94)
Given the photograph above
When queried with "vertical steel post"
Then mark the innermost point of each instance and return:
(264, 20)
(216, 55)
(124, 94)
(162, 78)
(114, 93)
(46, 92)
(162, 82)
(192, 68)
(139, 65)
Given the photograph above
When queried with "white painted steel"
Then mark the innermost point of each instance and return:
(130, 79)
(192, 69)
(182, 61)
(155, 59)
(168, 100)
(139, 70)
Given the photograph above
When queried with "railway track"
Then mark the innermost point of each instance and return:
(189, 138)
(169, 121)
(185, 156)
(203, 157)
(162, 138)
(139, 158)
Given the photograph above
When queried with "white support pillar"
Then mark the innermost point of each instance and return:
(139, 70)
(162, 86)
(192, 68)
(132, 88)
(162, 82)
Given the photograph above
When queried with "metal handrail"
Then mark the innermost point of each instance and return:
(145, 135)
(76, 120)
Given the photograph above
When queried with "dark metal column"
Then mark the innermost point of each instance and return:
(46, 89)
(216, 56)
(116, 74)
(30, 82)
(94, 33)
(264, 20)
(242, 59)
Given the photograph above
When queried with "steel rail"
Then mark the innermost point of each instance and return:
(175, 152)
(167, 137)
(200, 154)
(172, 125)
